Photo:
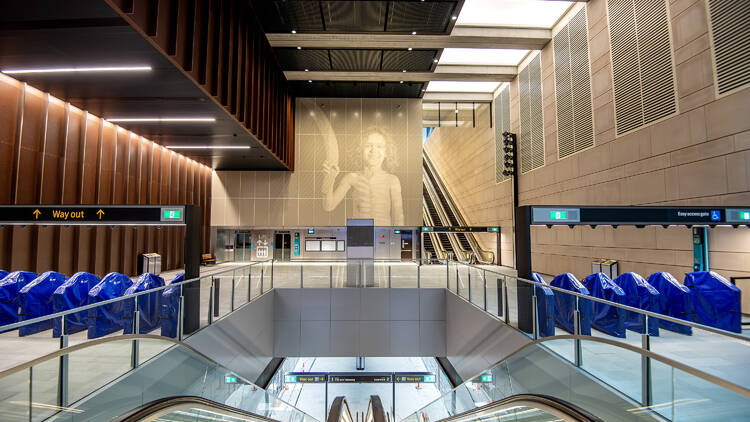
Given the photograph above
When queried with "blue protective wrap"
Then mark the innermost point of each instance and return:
(169, 307)
(36, 300)
(606, 318)
(675, 300)
(10, 287)
(3, 274)
(565, 305)
(545, 302)
(106, 319)
(148, 304)
(72, 294)
(639, 294)
(716, 300)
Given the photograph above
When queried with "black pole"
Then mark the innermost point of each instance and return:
(523, 266)
(192, 251)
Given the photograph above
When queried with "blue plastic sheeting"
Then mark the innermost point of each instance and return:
(169, 307)
(565, 305)
(606, 318)
(148, 304)
(545, 302)
(36, 300)
(72, 294)
(106, 319)
(3, 274)
(639, 294)
(716, 300)
(675, 300)
(10, 286)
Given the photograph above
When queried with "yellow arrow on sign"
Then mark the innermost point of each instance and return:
(100, 213)
(36, 214)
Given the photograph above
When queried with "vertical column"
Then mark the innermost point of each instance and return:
(192, 253)
(523, 266)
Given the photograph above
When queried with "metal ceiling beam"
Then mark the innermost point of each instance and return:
(461, 37)
(294, 75)
(457, 96)
(476, 69)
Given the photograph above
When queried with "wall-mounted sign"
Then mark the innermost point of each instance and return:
(91, 214)
(637, 216)
(414, 377)
(310, 231)
(461, 229)
(305, 377)
(360, 377)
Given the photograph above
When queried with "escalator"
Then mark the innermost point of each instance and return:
(440, 210)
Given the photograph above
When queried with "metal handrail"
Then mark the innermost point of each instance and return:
(339, 409)
(618, 305)
(375, 410)
(556, 407)
(161, 407)
(8, 327)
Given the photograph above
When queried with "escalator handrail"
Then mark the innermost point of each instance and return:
(157, 408)
(375, 410)
(552, 405)
(434, 198)
(339, 408)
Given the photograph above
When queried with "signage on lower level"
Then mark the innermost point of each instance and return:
(360, 377)
(414, 377)
(461, 229)
(638, 216)
(305, 377)
(92, 214)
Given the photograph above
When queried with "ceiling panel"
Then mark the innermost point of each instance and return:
(356, 60)
(354, 16)
(311, 59)
(411, 61)
(357, 89)
(423, 17)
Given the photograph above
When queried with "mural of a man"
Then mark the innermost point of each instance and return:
(376, 193)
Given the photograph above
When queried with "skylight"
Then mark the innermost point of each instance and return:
(482, 56)
(449, 86)
(522, 13)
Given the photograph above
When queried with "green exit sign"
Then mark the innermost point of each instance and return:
(486, 378)
(745, 215)
(425, 229)
(290, 379)
(429, 378)
(558, 215)
(230, 379)
(172, 215)
(494, 229)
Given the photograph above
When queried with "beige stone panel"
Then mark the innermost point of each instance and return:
(321, 217)
(306, 212)
(246, 211)
(594, 159)
(604, 118)
(262, 210)
(305, 124)
(742, 141)
(232, 213)
(609, 193)
(218, 190)
(691, 49)
(728, 115)
(337, 114)
(628, 148)
(725, 239)
(694, 74)
(351, 159)
(231, 181)
(599, 64)
(306, 184)
(218, 206)
(632, 237)
(413, 212)
(597, 27)
(655, 256)
(604, 99)
(276, 212)
(730, 260)
(291, 212)
(306, 152)
(703, 151)
(697, 99)
(601, 82)
(338, 216)
(689, 24)
(276, 188)
(247, 184)
(599, 45)
(647, 165)
(703, 178)
(672, 183)
(678, 132)
(353, 118)
(262, 184)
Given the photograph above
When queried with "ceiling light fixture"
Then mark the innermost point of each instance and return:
(161, 119)
(309, 80)
(434, 60)
(79, 69)
(414, 32)
(307, 70)
(294, 31)
(454, 17)
(409, 48)
(209, 146)
(400, 82)
(299, 47)
(404, 71)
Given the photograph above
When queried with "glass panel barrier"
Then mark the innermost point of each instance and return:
(44, 391)
(404, 274)
(93, 367)
(14, 405)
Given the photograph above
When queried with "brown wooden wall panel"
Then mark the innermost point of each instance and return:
(221, 47)
(61, 154)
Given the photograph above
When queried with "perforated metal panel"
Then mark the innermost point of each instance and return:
(356, 60)
(642, 65)
(423, 17)
(730, 32)
(531, 138)
(311, 59)
(412, 61)
(575, 129)
(502, 124)
(357, 89)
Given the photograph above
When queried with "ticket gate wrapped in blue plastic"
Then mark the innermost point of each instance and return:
(106, 319)
(36, 300)
(716, 300)
(72, 294)
(676, 300)
(10, 286)
(565, 305)
(148, 304)
(606, 318)
(169, 307)
(639, 294)
(545, 302)
(3, 274)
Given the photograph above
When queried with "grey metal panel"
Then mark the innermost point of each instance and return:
(404, 304)
(316, 305)
(287, 338)
(374, 338)
(404, 338)
(344, 338)
(315, 338)
(376, 305)
(345, 304)
(242, 341)
(432, 338)
(287, 306)
(474, 339)
(432, 304)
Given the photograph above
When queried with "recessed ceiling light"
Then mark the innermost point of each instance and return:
(409, 48)
(404, 70)
(435, 60)
(400, 82)
(454, 17)
(309, 80)
(294, 31)
(307, 70)
(161, 119)
(208, 147)
(414, 32)
(299, 47)
(79, 69)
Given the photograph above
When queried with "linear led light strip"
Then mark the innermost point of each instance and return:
(160, 119)
(209, 146)
(79, 69)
